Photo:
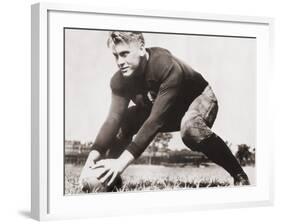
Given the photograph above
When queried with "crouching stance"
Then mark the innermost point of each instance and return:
(169, 96)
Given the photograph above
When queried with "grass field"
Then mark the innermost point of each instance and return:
(151, 177)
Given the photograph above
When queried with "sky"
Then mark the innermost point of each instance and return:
(227, 63)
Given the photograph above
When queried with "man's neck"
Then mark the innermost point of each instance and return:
(143, 63)
(146, 55)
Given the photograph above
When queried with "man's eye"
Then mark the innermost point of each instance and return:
(124, 54)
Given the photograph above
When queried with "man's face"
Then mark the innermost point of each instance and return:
(128, 56)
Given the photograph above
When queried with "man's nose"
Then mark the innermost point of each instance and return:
(120, 61)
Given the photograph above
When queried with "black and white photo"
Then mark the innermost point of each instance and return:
(158, 111)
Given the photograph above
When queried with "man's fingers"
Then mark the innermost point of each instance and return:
(112, 178)
(83, 174)
(106, 176)
(96, 166)
(90, 162)
(103, 173)
(99, 164)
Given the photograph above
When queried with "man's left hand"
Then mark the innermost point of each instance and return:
(112, 168)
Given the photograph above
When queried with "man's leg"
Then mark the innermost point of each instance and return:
(197, 135)
(217, 151)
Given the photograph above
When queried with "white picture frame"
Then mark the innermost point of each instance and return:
(48, 201)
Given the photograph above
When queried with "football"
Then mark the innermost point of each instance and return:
(89, 182)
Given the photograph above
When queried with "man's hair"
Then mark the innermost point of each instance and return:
(116, 37)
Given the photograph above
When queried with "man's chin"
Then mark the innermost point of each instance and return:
(127, 73)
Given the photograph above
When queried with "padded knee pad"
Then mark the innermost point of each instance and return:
(194, 131)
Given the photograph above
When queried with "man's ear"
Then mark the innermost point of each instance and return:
(142, 50)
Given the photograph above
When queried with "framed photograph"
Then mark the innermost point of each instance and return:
(148, 111)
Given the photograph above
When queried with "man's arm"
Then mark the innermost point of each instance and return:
(112, 123)
(167, 95)
(106, 134)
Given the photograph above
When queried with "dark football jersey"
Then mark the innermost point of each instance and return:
(166, 84)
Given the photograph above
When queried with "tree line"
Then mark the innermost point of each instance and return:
(158, 153)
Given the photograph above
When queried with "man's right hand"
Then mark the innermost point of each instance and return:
(93, 157)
